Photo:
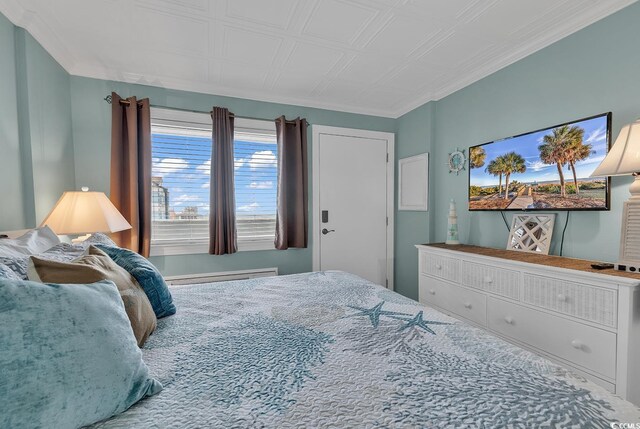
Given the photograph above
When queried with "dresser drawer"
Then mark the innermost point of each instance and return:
(433, 291)
(440, 266)
(589, 347)
(463, 302)
(575, 299)
(491, 279)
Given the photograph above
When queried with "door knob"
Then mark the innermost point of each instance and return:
(326, 231)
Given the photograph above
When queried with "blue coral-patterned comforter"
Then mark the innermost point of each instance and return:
(330, 349)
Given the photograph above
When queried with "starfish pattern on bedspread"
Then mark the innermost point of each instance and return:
(376, 312)
(419, 322)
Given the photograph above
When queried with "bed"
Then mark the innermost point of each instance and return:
(329, 349)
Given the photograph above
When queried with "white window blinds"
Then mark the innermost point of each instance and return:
(256, 176)
(181, 152)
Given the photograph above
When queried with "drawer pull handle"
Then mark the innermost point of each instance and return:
(432, 292)
(562, 297)
(576, 344)
(509, 320)
(438, 267)
(467, 305)
(488, 280)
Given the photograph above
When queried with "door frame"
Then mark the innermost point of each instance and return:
(317, 131)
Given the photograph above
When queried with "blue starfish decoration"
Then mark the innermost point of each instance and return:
(419, 322)
(375, 313)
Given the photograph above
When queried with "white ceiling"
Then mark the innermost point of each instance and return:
(379, 57)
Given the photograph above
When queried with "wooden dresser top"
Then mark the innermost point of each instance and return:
(533, 258)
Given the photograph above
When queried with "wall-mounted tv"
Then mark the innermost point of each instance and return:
(548, 169)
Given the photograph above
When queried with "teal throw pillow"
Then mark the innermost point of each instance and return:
(68, 356)
(147, 275)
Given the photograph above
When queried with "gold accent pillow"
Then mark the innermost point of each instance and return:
(93, 267)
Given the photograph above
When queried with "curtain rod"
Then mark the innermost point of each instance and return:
(127, 103)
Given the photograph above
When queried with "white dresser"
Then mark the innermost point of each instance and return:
(557, 307)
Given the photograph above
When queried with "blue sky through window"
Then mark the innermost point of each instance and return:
(183, 163)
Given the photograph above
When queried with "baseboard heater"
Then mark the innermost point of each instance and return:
(221, 276)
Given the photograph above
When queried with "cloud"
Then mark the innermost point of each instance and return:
(249, 207)
(591, 160)
(597, 135)
(262, 159)
(537, 165)
(205, 185)
(205, 167)
(260, 185)
(185, 198)
(168, 166)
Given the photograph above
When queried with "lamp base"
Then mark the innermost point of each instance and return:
(629, 237)
(634, 189)
(80, 239)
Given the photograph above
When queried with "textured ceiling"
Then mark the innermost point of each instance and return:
(380, 57)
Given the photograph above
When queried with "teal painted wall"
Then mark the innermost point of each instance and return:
(592, 71)
(48, 107)
(35, 129)
(414, 136)
(12, 211)
(92, 138)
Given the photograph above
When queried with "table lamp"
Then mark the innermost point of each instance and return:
(78, 213)
(624, 159)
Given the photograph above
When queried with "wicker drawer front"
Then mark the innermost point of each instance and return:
(440, 266)
(574, 299)
(491, 279)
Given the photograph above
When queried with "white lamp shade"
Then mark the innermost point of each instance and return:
(624, 157)
(85, 213)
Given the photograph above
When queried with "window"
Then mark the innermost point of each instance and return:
(181, 152)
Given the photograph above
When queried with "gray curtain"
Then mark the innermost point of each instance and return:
(222, 215)
(292, 214)
(131, 170)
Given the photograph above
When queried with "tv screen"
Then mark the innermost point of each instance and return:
(548, 169)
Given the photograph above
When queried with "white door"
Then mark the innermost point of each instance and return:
(353, 190)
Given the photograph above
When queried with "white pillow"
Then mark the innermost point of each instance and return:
(35, 241)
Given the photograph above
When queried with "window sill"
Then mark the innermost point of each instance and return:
(172, 249)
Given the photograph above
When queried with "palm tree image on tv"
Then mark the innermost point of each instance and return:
(548, 169)
(477, 156)
(511, 163)
(496, 168)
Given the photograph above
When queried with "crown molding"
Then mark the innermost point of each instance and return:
(217, 90)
